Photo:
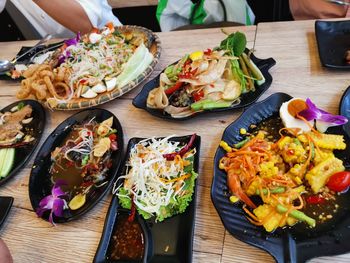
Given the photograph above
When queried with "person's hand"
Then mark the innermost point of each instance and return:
(5, 256)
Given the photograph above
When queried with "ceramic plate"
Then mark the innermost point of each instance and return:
(344, 109)
(35, 128)
(169, 241)
(333, 40)
(40, 180)
(140, 101)
(296, 244)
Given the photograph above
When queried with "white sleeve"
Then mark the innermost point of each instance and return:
(2, 5)
(99, 12)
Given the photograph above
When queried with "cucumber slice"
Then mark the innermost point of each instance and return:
(2, 157)
(8, 162)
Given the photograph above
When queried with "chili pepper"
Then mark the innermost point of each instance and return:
(315, 199)
(290, 152)
(185, 149)
(208, 52)
(198, 95)
(189, 74)
(113, 137)
(82, 81)
(132, 212)
(174, 88)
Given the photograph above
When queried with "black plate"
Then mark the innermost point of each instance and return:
(5, 206)
(36, 128)
(333, 40)
(39, 182)
(344, 109)
(296, 244)
(175, 232)
(25, 59)
(140, 101)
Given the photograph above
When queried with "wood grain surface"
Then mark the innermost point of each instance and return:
(298, 72)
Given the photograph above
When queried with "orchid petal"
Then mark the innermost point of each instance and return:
(51, 219)
(57, 208)
(333, 119)
(47, 202)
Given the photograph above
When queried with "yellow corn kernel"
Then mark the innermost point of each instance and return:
(283, 142)
(225, 146)
(260, 135)
(297, 180)
(242, 131)
(234, 199)
(196, 55)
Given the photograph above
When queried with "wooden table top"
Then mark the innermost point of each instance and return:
(298, 72)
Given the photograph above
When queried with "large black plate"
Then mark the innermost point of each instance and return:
(333, 40)
(5, 207)
(296, 244)
(39, 182)
(35, 128)
(175, 232)
(140, 101)
(344, 109)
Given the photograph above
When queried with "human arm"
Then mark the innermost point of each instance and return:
(68, 13)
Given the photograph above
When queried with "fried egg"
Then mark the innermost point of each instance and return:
(288, 111)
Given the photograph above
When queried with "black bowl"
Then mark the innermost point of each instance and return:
(5, 207)
(296, 244)
(140, 101)
(344, 109)
(40, 184)
(175, 232)
(35, 128)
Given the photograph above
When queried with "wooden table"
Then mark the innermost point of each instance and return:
(298, 72)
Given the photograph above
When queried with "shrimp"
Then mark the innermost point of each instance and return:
(234, 184)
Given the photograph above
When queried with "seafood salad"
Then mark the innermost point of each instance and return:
(79, 166)
(285, 168)
(159, 180)
(207, 80)
(87, 66)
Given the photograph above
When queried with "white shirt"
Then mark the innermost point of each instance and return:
(98, 11)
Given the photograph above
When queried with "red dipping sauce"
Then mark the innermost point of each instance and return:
(127, 242)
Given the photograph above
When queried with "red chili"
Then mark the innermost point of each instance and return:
(174, 88)
(315, 199)
(113, 137)
(132, 212)
(197, 95)
(339, 182)
(185, 149)
(208, 52)
(82, 81)
(189, 74)
(290, 151)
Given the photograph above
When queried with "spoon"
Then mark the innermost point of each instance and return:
(6, 65)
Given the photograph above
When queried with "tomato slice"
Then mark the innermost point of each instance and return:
(339, 182)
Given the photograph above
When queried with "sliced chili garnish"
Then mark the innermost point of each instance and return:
(132, 212)
(185, 149)
(315, 199)
(198, 95)
(208, 52)
(174, 88)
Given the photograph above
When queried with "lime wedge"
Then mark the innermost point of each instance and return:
(7, 162)
(77, 202)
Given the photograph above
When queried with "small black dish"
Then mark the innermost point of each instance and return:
(296, 244)
(25, 59)
(40, 182)
(34, 128)
(5, 207)
(333, 40)
(140, 101)
(169, 241)
(344, 109)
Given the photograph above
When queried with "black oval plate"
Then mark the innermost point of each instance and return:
(333, 41)
(35, 128)
(140, 101)
(344, 109)
(39, 182)
(296, 244)
(175, 232)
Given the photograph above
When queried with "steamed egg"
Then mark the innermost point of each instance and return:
(288, 114)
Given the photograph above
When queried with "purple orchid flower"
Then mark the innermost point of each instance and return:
(323, 118)
(69, 42)
(53, 202)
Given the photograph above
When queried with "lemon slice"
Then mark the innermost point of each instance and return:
(102, 147)
(77, 201)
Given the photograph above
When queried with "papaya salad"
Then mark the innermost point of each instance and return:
(159, 180)
(86, 66)
(79, 166)
(207, 80)
(281, 175)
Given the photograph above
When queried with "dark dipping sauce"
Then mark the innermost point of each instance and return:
(127, 242)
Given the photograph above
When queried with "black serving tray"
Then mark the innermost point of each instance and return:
(333, 40)
(344, 109)
(35, 128)
(169, 241)
(296, 244)
(39, 181)
(140, 101)
(5, 207)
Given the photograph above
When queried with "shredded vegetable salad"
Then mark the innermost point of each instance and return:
(159, 179)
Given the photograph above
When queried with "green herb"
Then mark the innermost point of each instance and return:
(20, 105)
(235, 43)
(85, 160)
